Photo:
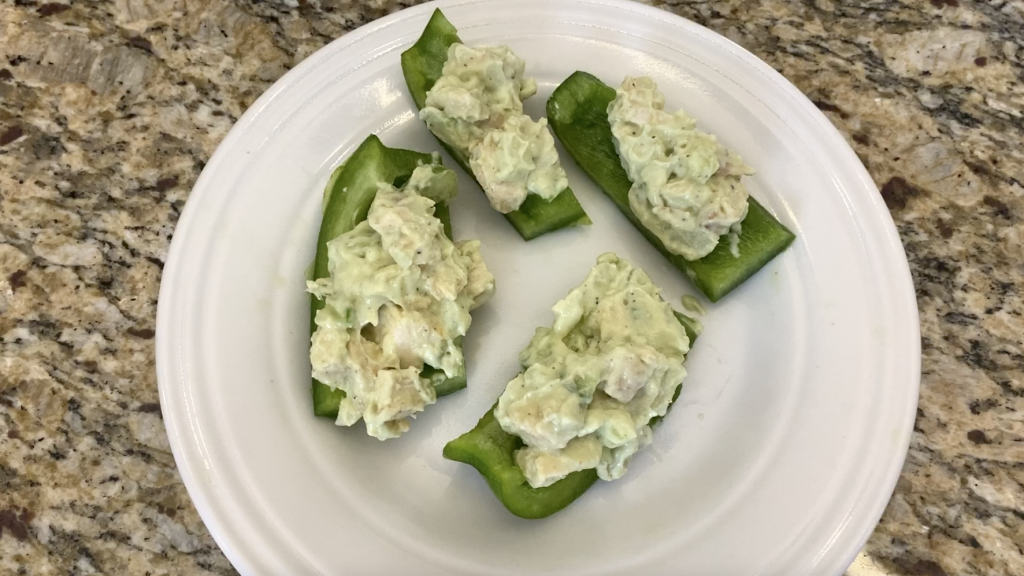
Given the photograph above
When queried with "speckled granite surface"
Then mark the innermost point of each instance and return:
(108, 111)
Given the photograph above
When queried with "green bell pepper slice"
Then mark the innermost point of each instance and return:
(491, 451)
(578, 113)
(347, 199)
(421, 66)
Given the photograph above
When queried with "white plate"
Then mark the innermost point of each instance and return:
(793, 423)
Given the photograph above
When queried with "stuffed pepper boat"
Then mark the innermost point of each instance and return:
(471, 98)
(592, 386)
(392, 293)
(677, 185)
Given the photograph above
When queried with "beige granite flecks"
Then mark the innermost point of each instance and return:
(108, 111)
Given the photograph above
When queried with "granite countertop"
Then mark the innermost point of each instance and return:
(109, 110)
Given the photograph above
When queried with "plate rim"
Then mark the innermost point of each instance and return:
(185, 460)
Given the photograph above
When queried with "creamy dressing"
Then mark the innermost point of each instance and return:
(397, 298)
(476, 107)
(687, 187)
(692, 305)
(593, 381)
(734, 239)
